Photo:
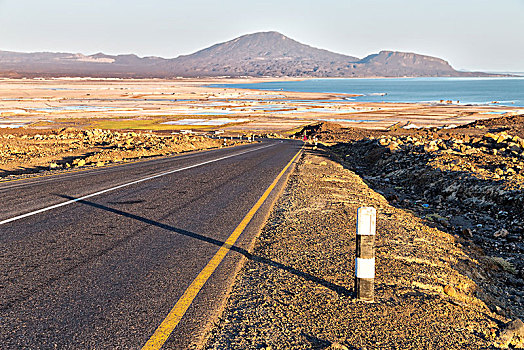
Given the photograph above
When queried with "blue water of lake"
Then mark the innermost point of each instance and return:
(482, 91)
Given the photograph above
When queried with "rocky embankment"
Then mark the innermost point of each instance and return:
(28, 151)
(467, 184)
(296, 289)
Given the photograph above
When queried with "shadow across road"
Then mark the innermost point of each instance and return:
(259, 259)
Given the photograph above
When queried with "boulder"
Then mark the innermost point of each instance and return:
(393, 146)
(431, 147)
(512, 334)
(450, 290)
(501, 233)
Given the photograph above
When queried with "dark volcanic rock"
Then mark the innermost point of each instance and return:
(466, 181)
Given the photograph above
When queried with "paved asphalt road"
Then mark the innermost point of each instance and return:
(103, 272)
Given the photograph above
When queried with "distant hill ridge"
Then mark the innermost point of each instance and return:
(260, 54)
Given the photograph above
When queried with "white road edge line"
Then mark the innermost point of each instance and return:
(88, 172)
(125, 185)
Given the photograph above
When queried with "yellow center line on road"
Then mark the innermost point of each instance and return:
(167, 326)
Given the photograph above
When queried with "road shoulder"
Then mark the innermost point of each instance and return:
(295, 292)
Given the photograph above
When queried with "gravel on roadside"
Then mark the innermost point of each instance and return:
(295, 290)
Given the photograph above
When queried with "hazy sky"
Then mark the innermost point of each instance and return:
(470, 34)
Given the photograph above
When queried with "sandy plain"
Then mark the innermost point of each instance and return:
(193, 104)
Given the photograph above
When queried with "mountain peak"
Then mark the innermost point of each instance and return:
(262, 53)
(269, 34)
(267, 53)
(259, 38)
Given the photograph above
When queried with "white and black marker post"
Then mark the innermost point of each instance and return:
(365, 254)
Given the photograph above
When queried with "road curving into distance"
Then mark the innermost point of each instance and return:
(99, 258)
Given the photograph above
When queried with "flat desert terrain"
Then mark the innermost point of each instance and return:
(185, 104)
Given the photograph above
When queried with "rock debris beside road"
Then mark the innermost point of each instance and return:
(467, 182)
(26, 151)
(295, 292)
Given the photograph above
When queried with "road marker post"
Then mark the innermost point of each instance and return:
(365, 254)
